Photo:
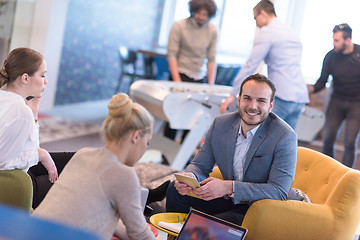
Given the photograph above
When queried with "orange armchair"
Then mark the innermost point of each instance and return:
(334, 213)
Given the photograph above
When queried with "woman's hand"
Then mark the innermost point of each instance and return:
(46, 160)
(34, 103)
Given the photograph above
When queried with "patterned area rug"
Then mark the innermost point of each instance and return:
(54, 129)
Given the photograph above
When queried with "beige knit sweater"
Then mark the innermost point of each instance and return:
(93, 192)
(189, 44)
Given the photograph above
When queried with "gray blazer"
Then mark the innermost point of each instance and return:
(270, 162)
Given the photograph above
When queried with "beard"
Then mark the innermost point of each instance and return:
(261, 118)
(340, 49)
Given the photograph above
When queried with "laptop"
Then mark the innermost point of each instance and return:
(199, 225)
(143, 197)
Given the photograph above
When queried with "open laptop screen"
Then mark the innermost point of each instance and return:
(199, 225)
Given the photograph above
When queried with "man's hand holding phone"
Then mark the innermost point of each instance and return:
(208, 189)
(185, 183)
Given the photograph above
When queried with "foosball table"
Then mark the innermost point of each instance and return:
(185, 106)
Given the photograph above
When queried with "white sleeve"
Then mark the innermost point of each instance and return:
(19, 144)
(261, 48)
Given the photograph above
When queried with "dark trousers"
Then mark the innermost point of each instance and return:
(40, 178)
(341, 111)
(169, 132)
(185, 78)
(220, 207)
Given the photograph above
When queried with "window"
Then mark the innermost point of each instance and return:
(178, 9)
(234, 20)
(316, 33)
(309, 19)
(238, 28)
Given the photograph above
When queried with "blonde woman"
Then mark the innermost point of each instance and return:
(98, 190)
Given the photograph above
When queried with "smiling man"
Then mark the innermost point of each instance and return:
(256, 154)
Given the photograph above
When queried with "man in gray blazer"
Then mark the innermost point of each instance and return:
(255, 151)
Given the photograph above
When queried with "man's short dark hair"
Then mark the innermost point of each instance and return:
(208, 5)
(260, 79)
(345, 29)
(265, 5)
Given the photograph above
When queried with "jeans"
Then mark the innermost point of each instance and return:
(339, 111)
(288, 111)
(219, 207)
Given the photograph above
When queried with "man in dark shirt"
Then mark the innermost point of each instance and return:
(343, 64)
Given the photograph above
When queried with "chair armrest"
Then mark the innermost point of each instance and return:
(216, 173)
(274, 219)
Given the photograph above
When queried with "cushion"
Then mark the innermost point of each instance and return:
(297, 194)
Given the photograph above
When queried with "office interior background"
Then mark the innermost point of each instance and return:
(80, 38)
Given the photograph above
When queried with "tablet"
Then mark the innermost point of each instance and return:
(189, 180)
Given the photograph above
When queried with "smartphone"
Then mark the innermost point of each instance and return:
(191, 181)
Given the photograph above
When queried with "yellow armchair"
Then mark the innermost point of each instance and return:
(334, 213)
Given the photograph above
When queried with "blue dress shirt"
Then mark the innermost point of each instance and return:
(281, 49)
(241, 148)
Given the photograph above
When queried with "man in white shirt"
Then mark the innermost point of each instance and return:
(281, 49)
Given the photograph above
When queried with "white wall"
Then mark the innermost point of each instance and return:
(39, 24)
